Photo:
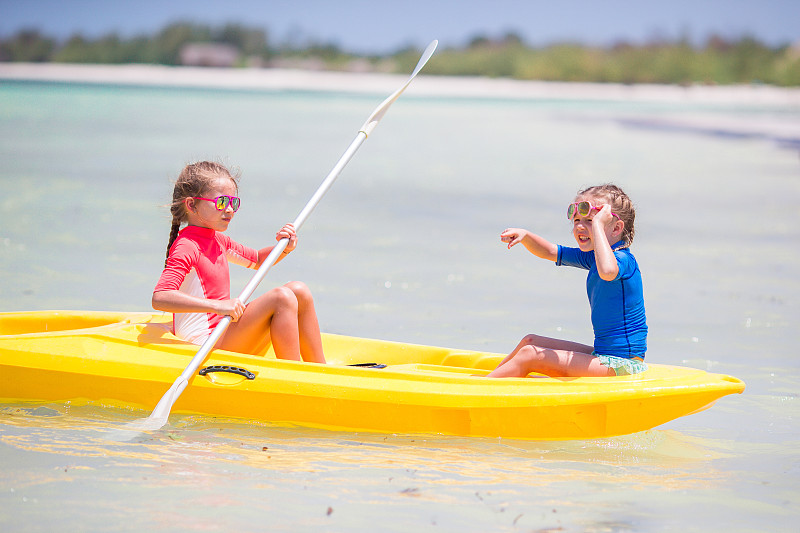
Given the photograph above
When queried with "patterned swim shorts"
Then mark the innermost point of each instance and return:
(623, 366)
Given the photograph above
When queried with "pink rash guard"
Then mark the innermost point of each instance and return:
(198, 265)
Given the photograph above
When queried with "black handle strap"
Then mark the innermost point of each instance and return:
(230, 369)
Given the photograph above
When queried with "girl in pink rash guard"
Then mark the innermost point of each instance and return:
(195, 283)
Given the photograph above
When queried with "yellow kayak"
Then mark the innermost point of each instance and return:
(131, 359)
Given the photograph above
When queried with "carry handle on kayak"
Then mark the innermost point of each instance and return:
(230, 369)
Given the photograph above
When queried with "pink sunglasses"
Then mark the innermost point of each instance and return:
(222, 202)
(582, 209)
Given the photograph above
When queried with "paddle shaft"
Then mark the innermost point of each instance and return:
(164, 406)
(160, 414)
(169, 399)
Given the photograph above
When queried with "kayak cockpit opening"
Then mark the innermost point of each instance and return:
(54, 321)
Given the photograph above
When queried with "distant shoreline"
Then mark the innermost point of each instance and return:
(384, 84)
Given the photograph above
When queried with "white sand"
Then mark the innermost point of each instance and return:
(474, 87)
(726, 109)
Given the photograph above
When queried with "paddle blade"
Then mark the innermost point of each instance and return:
(160, 415)
(151, 423)
(426, 55)
(381, 110)
(133, 430)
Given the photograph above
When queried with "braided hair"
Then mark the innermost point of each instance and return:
(620, 204)
(193, 180)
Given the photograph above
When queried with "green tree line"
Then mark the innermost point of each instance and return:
(717, 61)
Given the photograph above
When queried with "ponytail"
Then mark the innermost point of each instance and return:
(173, 234)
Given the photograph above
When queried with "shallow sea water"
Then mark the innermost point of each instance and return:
(406, 247)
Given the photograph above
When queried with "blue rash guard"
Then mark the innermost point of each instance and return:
(618, 317)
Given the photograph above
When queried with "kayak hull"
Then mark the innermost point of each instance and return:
(129, 360)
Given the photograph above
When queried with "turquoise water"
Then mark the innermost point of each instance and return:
(406, 247)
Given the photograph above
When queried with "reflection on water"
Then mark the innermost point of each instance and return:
(227, 465)
(85, 432)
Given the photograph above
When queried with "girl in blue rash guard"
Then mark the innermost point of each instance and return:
(602, 224)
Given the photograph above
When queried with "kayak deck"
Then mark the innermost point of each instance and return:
(130, 359)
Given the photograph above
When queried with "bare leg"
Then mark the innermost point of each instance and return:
(547, 342)
(271, 316)
(308, 325)
(553, 357)
(284, 316)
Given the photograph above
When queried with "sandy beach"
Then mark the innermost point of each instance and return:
(780, 124)
(438, 86)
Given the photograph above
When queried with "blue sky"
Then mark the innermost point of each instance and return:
(379, 26)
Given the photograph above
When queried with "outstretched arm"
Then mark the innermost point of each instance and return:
(538, 246)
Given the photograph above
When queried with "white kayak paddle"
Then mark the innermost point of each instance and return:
(158, 418)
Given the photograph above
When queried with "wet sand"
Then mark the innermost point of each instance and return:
(465, 87)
